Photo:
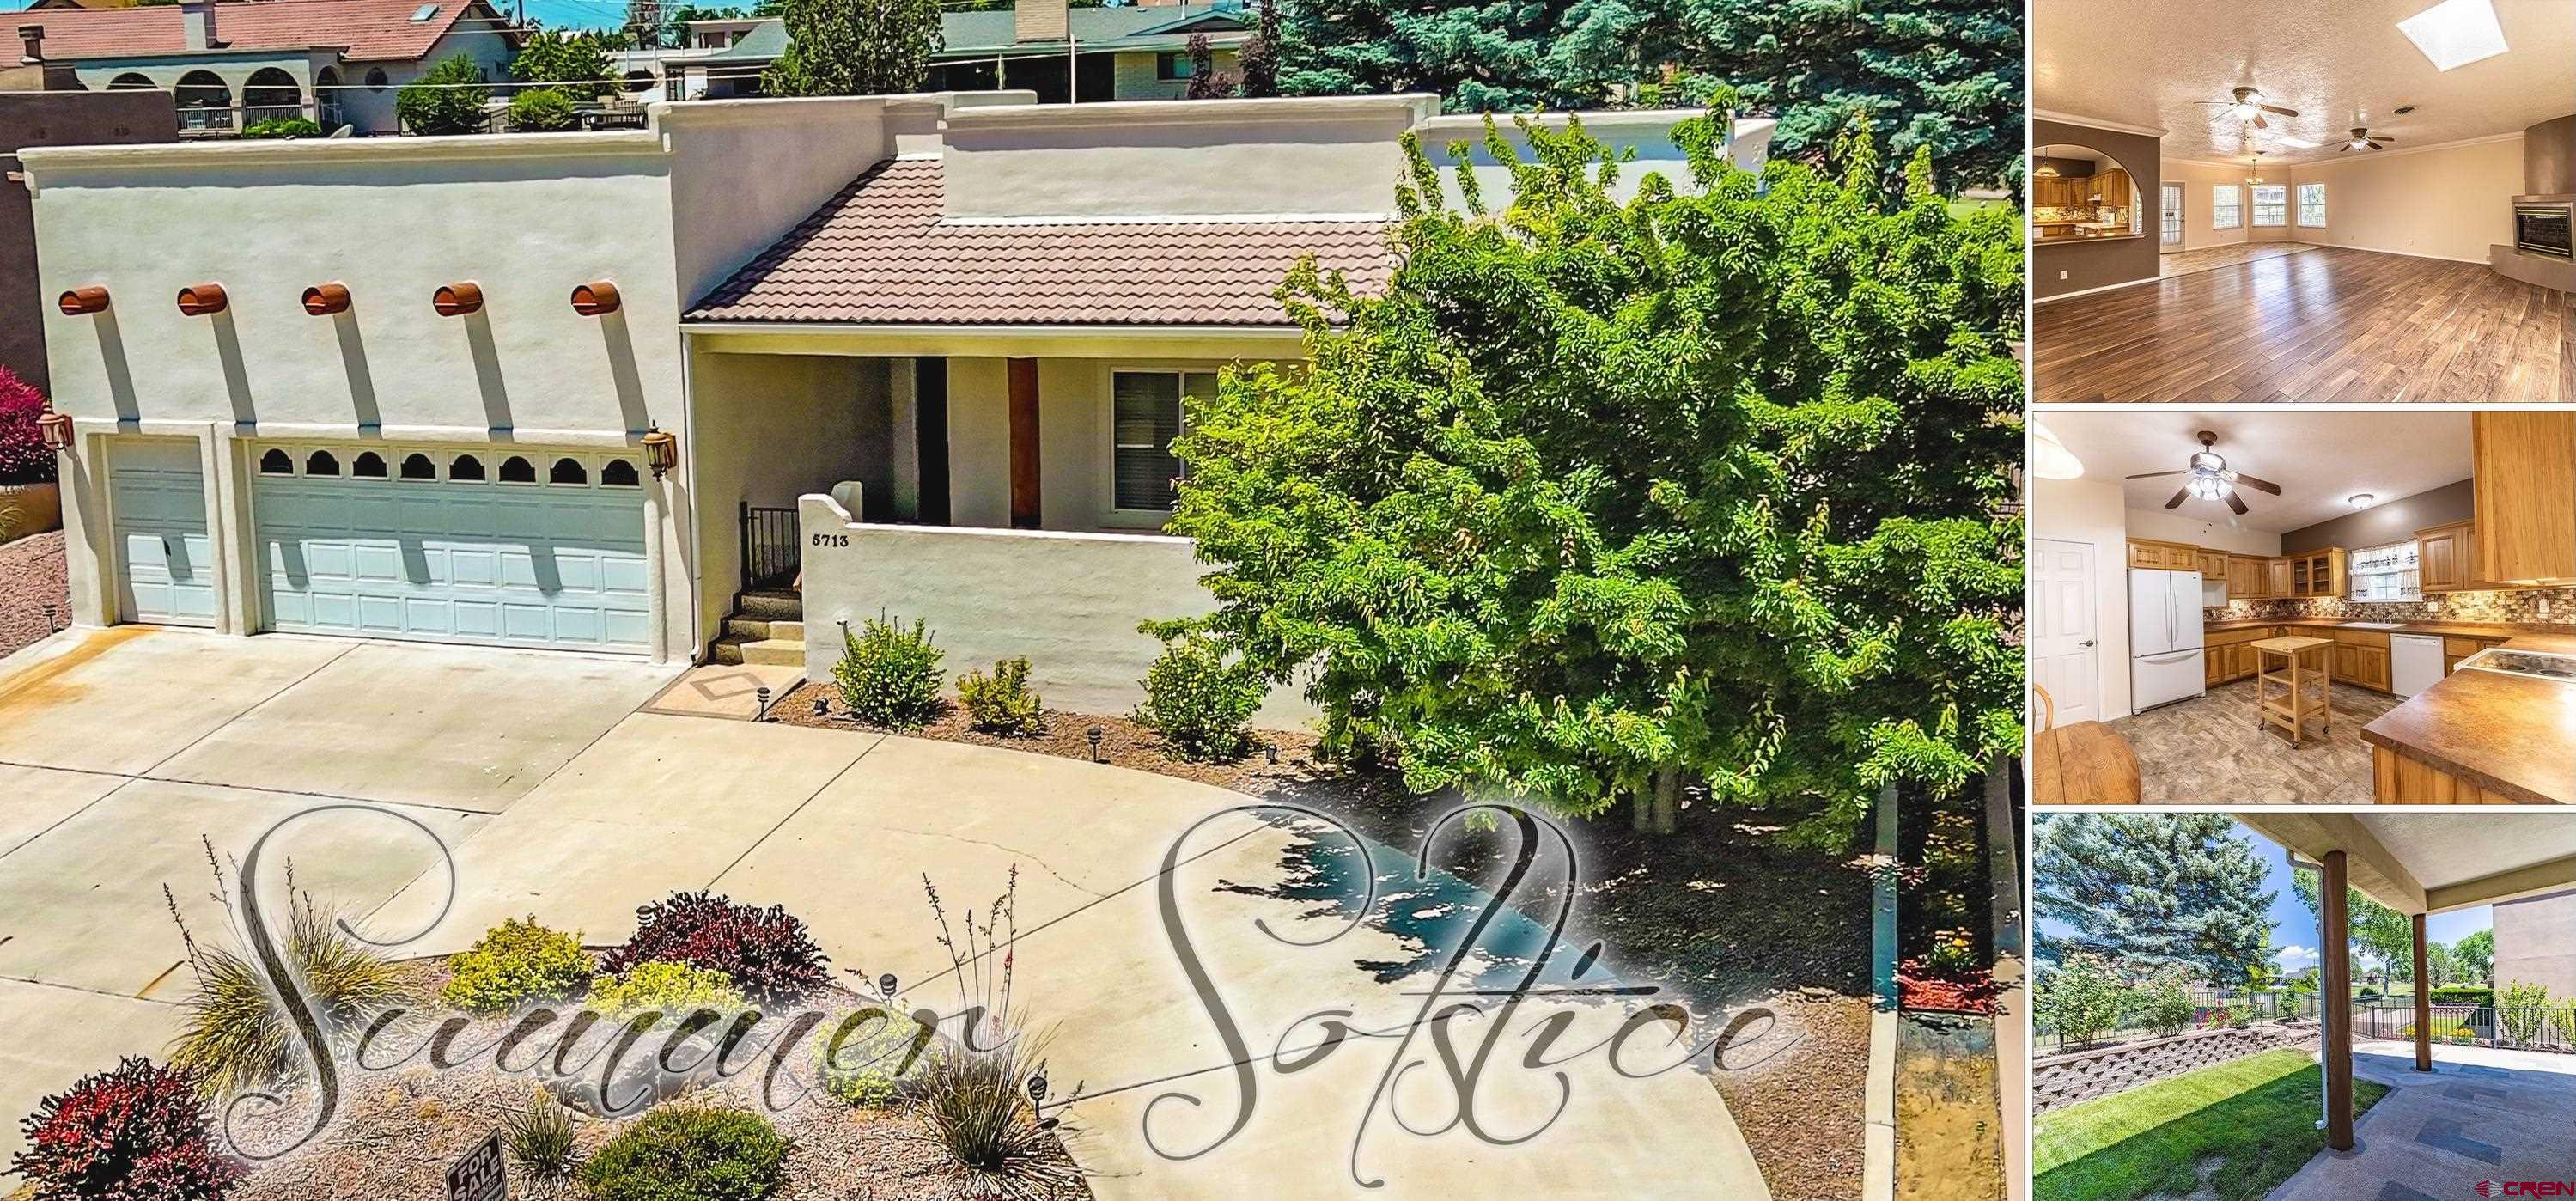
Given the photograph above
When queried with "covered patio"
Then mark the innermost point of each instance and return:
(2456, 1114)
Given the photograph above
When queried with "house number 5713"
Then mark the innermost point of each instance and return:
(831, 539)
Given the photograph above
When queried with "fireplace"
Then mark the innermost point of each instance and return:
(2541, 226)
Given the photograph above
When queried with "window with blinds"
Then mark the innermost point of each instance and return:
(2271, 204)
(1146, 417)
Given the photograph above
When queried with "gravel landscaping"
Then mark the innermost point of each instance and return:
(31, 577)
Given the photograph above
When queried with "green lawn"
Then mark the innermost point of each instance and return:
(2240, 1127)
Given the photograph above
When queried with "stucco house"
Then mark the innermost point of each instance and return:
(233, 64)
(922, 354)
(1132, 52)
(2535, 943)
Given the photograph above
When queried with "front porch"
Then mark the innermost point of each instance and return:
(2481, 1113)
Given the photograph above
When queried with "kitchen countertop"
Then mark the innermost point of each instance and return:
(2464, 629)
(2053, 236)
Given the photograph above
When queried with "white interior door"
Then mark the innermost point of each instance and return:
(2169, 215)
(165, 562)
(2065, 636)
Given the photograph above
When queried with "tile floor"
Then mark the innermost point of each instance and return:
(2482, 1114)
(2211, 751)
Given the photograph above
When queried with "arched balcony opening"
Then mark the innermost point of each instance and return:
(205, 102)
(271, 95)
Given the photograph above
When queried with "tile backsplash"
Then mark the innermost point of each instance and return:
(2063, 214)
(2519, 606)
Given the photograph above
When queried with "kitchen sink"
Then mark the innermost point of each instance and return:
(2373, 625)
(2540, 664)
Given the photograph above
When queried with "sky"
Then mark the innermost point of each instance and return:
(2294, 929)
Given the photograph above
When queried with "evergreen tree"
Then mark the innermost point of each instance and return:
(1479, 55)
(2378, 931)
(1598, 497)
(854, 48)
(2153, 890)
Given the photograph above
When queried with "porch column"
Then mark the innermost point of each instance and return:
(2335, 1006)
(2423, 1004)
(1024, 443)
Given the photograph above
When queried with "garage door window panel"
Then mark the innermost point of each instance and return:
(322, 463)
(516, 470)
(369, 466)
(569, 472)
(418, 467)
(465, 469)
(277, 462)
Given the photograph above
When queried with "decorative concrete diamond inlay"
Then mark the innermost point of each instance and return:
(726, 687)
(2446, 1134)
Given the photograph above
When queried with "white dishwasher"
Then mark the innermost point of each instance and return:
(2415, 662)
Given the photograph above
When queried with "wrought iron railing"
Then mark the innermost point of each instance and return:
(205, 117)
(253, 114)
(2521, 1028)
(772, 547)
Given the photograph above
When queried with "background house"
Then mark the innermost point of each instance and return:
(230, 65)
(1135, 52)
(2535, 943)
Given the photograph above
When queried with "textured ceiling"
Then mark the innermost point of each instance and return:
(2441, 849)
(2340, 63)
(2318, 458)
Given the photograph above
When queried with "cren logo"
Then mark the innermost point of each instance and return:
(2529, 1188)
(2486, 1188)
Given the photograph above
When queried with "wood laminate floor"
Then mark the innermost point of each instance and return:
(2192, 262)
(2209, 751)
(2328, 325)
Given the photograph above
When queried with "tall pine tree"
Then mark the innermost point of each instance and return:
(2152, 890)
(1479, 55)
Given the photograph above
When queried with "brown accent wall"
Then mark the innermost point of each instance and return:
(2386, 522)
(2100, 264)
(55, 119)
(2549, 157)
(2535, 943)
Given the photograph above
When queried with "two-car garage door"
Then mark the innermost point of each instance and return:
(492, 545)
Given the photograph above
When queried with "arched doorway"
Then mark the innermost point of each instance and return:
(270, 94)
(326, 99)
(205, 101)
(132, 81)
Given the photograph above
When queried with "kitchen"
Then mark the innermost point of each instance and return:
(2268, 607)
(2078, 194)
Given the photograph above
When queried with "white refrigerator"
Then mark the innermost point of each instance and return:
(2164, 638)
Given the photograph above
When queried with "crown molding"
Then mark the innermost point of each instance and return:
(2041, 114)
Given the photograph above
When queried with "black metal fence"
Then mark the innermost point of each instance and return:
(772, 547)
(2209, 1009)
(2520, 1028)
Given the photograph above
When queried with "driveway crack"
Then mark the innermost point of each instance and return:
(1012, 850)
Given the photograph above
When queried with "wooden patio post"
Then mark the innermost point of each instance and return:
(2335, 1006)
(2423, 1004)
(1024, 443)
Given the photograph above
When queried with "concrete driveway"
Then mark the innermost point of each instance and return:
(578, 810)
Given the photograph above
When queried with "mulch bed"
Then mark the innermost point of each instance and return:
(31, 577)
(1919, 989)
(1722, 915)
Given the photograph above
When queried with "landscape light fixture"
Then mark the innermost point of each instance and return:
(1094, 735)
(885, 986)
(2455, 33)
(661, 450)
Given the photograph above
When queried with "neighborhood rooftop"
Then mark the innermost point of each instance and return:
(964, 34)
(367, 29)
(880, 252)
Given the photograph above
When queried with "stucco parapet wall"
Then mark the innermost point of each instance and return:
(1412, 108)
(311, 431)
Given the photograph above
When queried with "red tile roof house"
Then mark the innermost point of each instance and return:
(234, 63)
(924, 354)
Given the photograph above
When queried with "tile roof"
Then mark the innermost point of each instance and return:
(986, 32)
(371, 29)
(878, 253)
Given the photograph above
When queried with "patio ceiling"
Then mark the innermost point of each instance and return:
(2434, 862)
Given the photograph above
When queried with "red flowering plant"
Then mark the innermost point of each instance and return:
(24, 458)
(768, 952)
(137, 1133)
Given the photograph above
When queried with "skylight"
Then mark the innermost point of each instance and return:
(424, 12)
(2456, 33)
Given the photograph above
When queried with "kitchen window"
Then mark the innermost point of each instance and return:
(2169, 205)
(2226, 207)
(2386, 573)
(2271, 204)
(2312, 206)
(1145, 417)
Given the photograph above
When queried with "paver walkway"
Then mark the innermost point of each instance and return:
(840, 827)
(2482, 1114)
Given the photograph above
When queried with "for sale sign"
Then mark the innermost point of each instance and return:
(483, 1175)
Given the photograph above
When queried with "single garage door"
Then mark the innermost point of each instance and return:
(165, 562)
(508, 547)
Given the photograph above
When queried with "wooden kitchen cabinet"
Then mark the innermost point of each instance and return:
(2276, 577)
(2245, 576)
(2110, 188)
(2319, 573)
(2212, 564)
(2525, 489)
(2361, 659)
(2163, 556)
(2446, 557)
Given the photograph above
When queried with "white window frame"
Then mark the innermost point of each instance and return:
(2280, 209)
(2226, 207)
(1113, 514)
(2169, 213)
(2302, 205)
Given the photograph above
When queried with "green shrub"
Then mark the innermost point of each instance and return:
(2519, 1013)
(2463, 994)
(676, 989)
(2239, 1014)
(977, 1111)
(2079, 1000)
(872, 1057)
(540, 1139)
(888, 675)
(1952, 953)
(444, 100)
(2368, 993)
(1199, 701)
(1002, 703)
(690, 1153)
(283, 127)
(543, 111)
(2163, 1006)
(516, 962)
(233, 1036)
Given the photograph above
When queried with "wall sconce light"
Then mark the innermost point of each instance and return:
(457, 299)
(322, 300)
(83, 301)
(598, 298)
(202, 300)
(55, 428)
(661, 451)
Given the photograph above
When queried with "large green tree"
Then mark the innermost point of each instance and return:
(1480, 55)
(574, 65)
(446, 99)
(2378, 931)
(2153, 890)
(854, 47)
(1598, 496)
(2475, 955)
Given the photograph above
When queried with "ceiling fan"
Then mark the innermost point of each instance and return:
(2361, 136)
(2249, 106)
(2210, 479)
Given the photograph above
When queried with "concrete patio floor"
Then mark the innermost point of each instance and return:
(2482, 1114)
(580, 816)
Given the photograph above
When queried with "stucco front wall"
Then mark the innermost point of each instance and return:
(1069, 602)
(2535, 943)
